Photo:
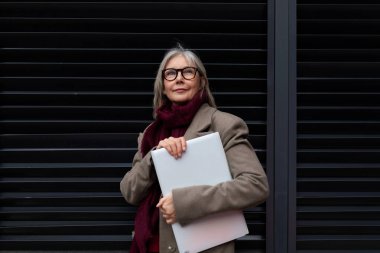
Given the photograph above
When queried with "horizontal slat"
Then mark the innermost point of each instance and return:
(340, 41)
(61, 185)
(337, 113)
(336, 199)
(320, 84)
(105, 112)
(339, 55)
(339, 227)
(107, 243)
(339, 156)
(346, 26)
(336, 2)
(76, 112)
(65, 215)
(59, 170)
(339, 184)
(121, 70)
(122, 228)
(345, 10)
(71, 199)
(338, 242)
(108, 140)
(338, 169)
(129, 25)
(132, 1)
(160, 10)
(122, 40)
(92, 126)
(135, 55)
(337, 142)
(73, 242)
(339, 99)
(324, 126)
(102, 55)
(82, 141)
(122, 84)
(116, 98)
(73, 126)
(339, 69)
(118, 155)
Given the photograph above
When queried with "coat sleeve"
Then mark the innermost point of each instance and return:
(136, 182)
(249, 186)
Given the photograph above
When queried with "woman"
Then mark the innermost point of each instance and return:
(184, 108)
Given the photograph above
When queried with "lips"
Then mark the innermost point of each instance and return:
(180, 90)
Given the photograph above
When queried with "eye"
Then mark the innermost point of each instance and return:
(170, 73)
(188, 71)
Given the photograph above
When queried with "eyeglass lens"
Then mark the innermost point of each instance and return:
(187, 73)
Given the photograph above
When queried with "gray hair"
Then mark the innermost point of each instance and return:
(159, 96)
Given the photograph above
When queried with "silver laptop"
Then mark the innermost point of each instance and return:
(203, 163)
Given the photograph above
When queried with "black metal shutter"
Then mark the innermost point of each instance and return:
(76, 88)
(338, 192)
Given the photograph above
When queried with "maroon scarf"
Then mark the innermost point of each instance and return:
(172, 120)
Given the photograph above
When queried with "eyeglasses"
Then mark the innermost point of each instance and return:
(171, 74)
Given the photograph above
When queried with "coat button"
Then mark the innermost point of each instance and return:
(171, 248)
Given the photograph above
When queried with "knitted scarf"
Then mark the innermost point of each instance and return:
(171, 120)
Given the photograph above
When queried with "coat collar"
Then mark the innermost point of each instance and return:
(200, 122)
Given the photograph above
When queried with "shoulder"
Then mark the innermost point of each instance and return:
(217, 116)
(205, 111)
(226, 121)
(232, 129)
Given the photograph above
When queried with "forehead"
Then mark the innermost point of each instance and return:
(179, 61)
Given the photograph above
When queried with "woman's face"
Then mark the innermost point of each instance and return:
(181, 90)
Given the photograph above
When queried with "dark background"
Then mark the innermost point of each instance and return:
(76, 89)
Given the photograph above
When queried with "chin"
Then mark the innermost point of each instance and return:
(180, 100)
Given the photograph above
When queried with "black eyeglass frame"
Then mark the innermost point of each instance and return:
(180, 70)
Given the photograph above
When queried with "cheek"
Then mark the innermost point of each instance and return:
(166, 87)
(198, 85)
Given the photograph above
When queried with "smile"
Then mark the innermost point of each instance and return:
(180, 90)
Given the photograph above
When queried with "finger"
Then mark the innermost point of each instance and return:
(171, 220)
(183, 143)
(161, 203)
(178, 147)
(167, 146)
(173, 146)
(160, 145)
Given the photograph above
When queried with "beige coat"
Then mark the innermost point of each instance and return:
(248, 188)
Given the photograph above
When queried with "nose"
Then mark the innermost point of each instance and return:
(179, 77)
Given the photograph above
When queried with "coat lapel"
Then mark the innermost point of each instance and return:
(201, 122)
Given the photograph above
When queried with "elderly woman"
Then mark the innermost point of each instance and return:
(184, 108)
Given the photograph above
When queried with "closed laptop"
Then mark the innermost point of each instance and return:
(203, 163)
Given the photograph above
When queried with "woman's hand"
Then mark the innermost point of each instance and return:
(166, 206)
(175, 146)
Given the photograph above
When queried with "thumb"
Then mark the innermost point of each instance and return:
(160, 202)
